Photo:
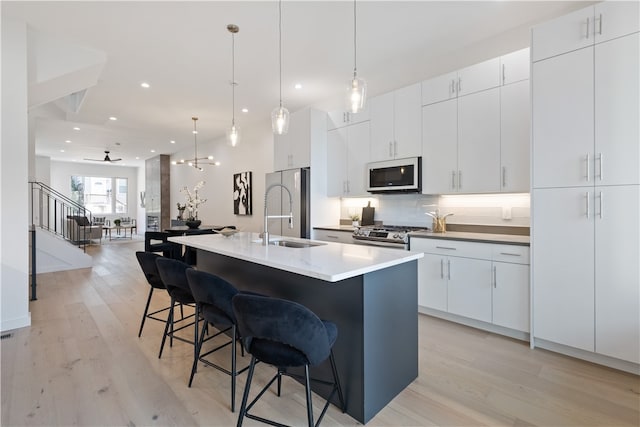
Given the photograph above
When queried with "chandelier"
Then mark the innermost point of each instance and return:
(196, 161)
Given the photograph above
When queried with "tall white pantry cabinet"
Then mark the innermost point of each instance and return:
(586, 181)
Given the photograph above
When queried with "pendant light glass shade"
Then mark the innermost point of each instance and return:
(357, 89)
(280, 115)
(356, 94)
(233, 133)
(280, 120)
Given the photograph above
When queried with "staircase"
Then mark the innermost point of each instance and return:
(52, 248)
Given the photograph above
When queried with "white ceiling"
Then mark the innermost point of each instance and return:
(184, 51)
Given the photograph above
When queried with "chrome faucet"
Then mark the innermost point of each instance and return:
(265, 235)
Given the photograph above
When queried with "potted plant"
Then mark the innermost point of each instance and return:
(193, 201)
(355, 218)
(117, 222)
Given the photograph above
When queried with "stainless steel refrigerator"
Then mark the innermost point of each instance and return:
(297, 181)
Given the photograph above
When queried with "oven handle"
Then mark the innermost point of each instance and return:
(366, 242)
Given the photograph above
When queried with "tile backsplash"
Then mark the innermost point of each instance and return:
(474, 209)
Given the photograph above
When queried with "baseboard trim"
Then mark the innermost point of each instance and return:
(478, 324)
(600, 359)
(11, 324)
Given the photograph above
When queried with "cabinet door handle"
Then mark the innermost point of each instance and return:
(446, 247)
(453, 180)
(344, 187)
(453, 86)
(601, 214)
(509, 254)
(503, 74)
(329, 236)
(600, 164)
(390, 149)
(588, 27)
(459, 85)
(495, 277)
(449, 269)
(441, 268)
(395, 148)
(459, 180)
(600, 24)
(504, 176)
(348, 186)
(587, 196)
(588, 170)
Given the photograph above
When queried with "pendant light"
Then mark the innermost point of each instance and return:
(280, 115)
(357, 90)
(196, 161)
(233, 134)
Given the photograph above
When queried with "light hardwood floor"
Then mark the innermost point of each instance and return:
(81, 363)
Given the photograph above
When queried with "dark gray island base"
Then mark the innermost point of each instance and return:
(377, 348)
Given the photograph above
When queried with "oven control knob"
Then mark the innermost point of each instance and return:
(395, 236)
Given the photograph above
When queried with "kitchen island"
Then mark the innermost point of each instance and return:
(369, 292)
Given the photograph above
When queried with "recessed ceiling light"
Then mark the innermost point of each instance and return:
(153, 151)
(298, 86)
(62, 151)
(68, 141)
(137, 158)
(217, 163)
(245, 110)
(145, 85)
(112, 118)
(172, 141)
(76, 128)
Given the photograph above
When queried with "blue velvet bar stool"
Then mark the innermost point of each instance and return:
(213, 297)
(174, 276)
(284, 334)
(147, 261)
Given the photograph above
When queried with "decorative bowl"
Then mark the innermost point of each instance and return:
(226, 232)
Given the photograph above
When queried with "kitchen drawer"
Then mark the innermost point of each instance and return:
(454, 248)
(510, 253)
(333, 236)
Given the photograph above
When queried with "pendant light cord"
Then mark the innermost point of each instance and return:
(280, 45)
(355, 47)
(195, 141)
(233, 79)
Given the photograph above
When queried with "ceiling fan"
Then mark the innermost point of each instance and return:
(106, 158)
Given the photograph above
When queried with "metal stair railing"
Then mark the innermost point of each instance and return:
(51, 209)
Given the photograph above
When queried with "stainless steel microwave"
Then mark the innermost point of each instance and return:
(401, 175)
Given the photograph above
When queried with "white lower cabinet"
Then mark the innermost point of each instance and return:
(333, 235)
(469, 290)
(480, 281)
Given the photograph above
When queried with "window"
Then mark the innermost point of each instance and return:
(100, 195)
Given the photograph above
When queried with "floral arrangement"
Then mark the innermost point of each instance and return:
(193, 201)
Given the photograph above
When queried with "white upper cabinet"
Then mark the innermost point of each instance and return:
(439, 88)
(515, 66)
(477, 77)
(341, 118)
(515, 127)
(396, 124)
(563, 34)
(347, 156)
(584, 27)
(615, 19)
(563, 120)
(440, 147)
(479, 142)
(617, 101)
(293, 149)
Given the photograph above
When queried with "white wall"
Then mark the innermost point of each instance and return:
(254, 153)
(61, 173)
(42, 171)
(14, 164)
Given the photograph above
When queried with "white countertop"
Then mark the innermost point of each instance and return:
(330, 261)
(509, 239)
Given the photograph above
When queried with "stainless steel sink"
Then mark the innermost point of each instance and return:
(294, 244)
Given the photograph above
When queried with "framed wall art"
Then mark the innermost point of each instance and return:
(242, 193)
